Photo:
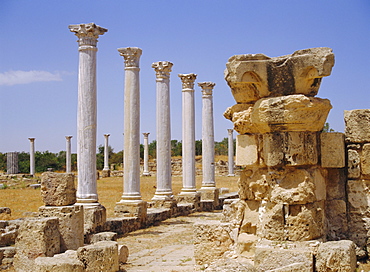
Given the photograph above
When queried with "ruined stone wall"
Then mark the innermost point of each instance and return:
(358, 185)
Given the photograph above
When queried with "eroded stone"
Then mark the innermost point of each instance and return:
(58, 189)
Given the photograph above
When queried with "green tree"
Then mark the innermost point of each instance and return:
(176, 148)
(45, 160)
(327, 128)
(152, 149)
(3, 162)
(23, 162)
(198, 147)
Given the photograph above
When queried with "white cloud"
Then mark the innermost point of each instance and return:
(24, 77)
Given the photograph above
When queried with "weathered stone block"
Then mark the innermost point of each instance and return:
(250, 218)
(210, 194)
(332, 150)
(123, 254)
(6, 257)
(271, 225)
(134, 209)
(354, 160)
(336, 256)
(357, 126)
(36, 238)
(359, 224)
(122, 225)
(65, 262)
(336, 183)
(301, 148)
(254, 76)
(191, 198)
(336, 214)
(101, 256)
(365, 160)
(5, 213)
(306, 222)
(359, 195)
(211, 241)
(94, 219)
(246, 244)
(273, 148)
(246, 150)
(103, 236)
(105, 173)
(58, 189)
(71, 224)
(270, 259)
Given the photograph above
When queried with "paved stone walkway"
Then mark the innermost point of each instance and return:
(167, 247)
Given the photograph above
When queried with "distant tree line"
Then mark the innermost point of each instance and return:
(57, 161)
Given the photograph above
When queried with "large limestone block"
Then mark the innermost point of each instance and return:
(255, 76)
(332, 150)
(365, 160)
(71, 224)
(284, 113)
(64, 262)
(354, 160)
(357, 126)
(95, 217)
(58, 189)
(272, 259)
(246, 150)
(336, 183)
(271, 225)
(211, 241)
(306, 222)
(359, 196)
(250, 217)
(336, 214)
(285, 186)
(36, 238)
(101, 256)
(336, 256)
(359, 226)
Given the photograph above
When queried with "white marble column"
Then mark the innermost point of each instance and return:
(208, 141)
(188, 134)
(146, 154)
(164, 181)
(131, 160)
(231, 152)
(32, 156)
(86, 120)
(106, 152)
(68, 155)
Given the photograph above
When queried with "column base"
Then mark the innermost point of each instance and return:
(210, 195)
(146, 174)
(105, 173)
(164, 203)
(189, 198)
(231, 175)
(131, 208)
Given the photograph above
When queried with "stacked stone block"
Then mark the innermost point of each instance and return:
(293, 173)
(357, 134)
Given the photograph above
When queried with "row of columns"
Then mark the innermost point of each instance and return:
(86, 125)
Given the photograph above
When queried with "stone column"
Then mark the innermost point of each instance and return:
(208, 190)
(231, 152)
(146, 155)
(68, 155)
(106, 171)
(86, 120)
(12, 163)
(32, 156)
(164, 181)
(94, 213)
(131, 203)
(188, 138)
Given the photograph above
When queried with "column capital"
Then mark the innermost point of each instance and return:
(88, 34)
(162, 68)
(131, 56)
(187, 80)
(32, 139)
(230, 131)
(68, 137)
(207, 87)
(146, 134)
(106, 135)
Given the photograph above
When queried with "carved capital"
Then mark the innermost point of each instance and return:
(87, 34)
(187, 80)
(230, 131)
(162, 68)
(131, 56)
(68, 138)
(207, 87)
(146, 134)
(106, 135)
(32, 140)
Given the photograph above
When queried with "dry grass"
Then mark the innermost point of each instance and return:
(24, 200)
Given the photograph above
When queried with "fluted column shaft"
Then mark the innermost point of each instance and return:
(208, 142)
(11, 163)
(231, 152)
(146, 154)
(68, 155)
(106, 152)
(131, 159)
(86, 117)
(163, 115)
(188, 133)
(32, 156)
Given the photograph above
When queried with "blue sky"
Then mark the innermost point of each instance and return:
(39, 58)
